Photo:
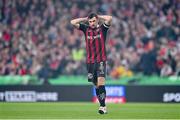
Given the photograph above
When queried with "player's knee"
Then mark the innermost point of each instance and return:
(101, 81)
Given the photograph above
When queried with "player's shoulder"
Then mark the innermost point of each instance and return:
(83, 26)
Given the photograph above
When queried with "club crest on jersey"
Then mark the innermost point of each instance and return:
(90, 75)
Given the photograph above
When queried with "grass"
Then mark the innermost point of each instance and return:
(65, 110)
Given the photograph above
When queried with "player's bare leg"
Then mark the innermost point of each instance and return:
(101, 94)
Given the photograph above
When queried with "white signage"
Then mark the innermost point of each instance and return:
(170, 97)
(28, 96)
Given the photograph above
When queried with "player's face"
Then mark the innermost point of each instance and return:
(93, 22)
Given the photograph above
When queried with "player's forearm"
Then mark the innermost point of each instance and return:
(106, 18)
(78, 20)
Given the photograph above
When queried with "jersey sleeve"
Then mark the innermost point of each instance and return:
(105, 26)
(82, 27)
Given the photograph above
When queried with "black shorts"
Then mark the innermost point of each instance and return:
(96, 70)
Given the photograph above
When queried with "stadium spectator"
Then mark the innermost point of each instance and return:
(36, 37)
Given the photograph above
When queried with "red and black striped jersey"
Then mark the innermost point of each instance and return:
(95, 42)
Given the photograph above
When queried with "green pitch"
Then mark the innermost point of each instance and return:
(65, 110)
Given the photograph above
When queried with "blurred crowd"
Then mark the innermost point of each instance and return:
(36, 37)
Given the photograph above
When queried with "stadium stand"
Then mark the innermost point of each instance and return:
(36, 37)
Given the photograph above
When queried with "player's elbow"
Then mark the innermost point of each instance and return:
(110, 18)
(72, 22)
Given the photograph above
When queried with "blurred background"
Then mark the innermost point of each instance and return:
(38, 45)
(37, 39)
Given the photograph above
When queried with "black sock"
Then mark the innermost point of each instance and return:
(97, 92)
(101, 94)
